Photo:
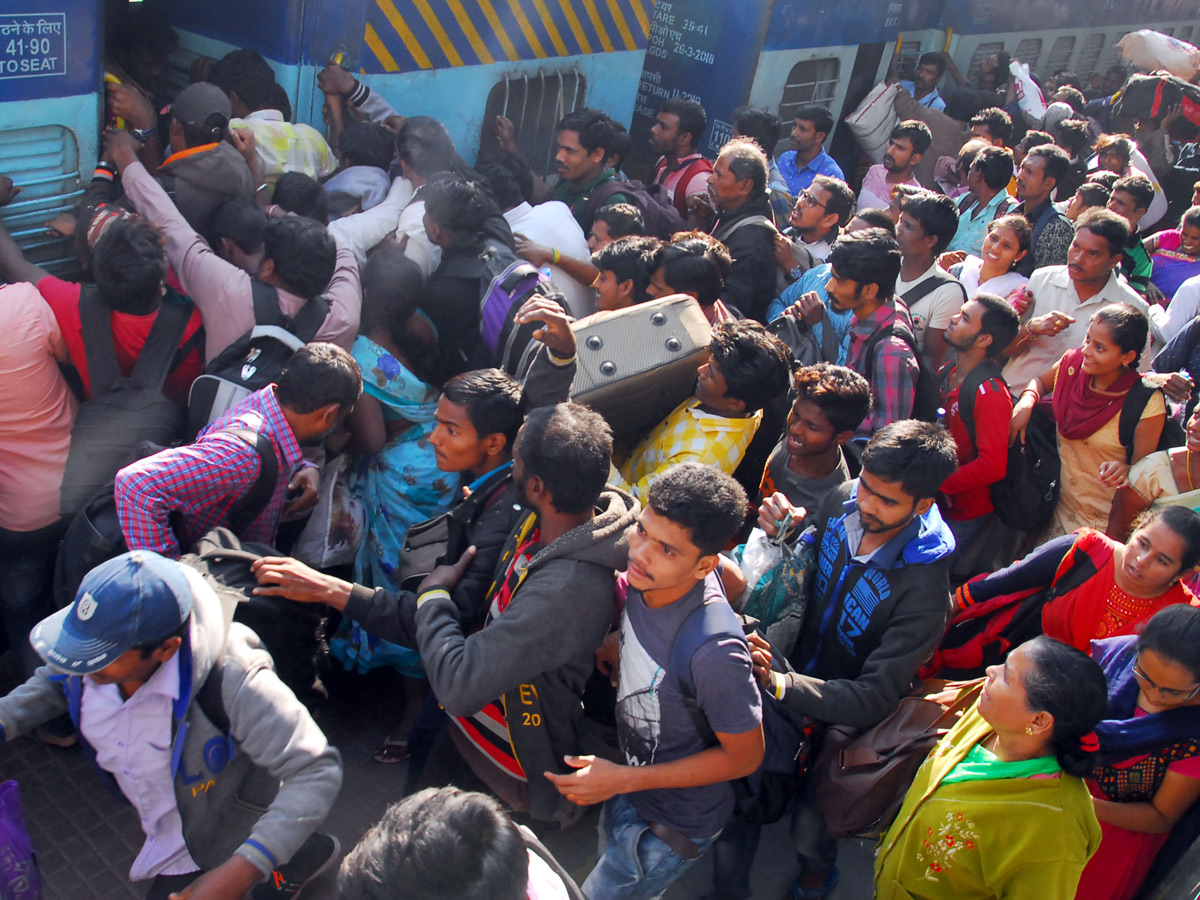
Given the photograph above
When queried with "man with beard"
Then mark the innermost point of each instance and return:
(924, 85)
(978, 409)
(585, 139)
(881, 597)
(1041, 170)
(172, 498)
(906, 144)
(807, 159)
(680, 170)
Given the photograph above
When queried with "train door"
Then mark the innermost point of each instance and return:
(49, 118)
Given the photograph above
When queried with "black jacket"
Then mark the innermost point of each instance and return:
(752, 282)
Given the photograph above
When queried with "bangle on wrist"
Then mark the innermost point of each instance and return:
(1036, 394)
(557, 257)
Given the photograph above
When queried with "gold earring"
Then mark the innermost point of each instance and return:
(1029, 729)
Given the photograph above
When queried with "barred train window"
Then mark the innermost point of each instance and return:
(1060, 54)
(45, 161)
(535, 103)
(1090, 54)
(1028, 52)
(982, 52)
(809, 81)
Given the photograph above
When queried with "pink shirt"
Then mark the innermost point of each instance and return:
(220, 290)
(876, 190)
(36, 410)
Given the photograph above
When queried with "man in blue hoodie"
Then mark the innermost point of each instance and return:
(880, 601)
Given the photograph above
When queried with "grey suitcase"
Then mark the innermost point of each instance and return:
(637, 364)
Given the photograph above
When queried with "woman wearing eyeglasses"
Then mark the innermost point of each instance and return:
(1148, 771)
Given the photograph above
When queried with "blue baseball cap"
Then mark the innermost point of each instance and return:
(121, 604)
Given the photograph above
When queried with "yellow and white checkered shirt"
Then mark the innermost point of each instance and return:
(284, 147)
(687, 434)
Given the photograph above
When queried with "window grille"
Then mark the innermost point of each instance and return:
(45, 162)
(535, 104)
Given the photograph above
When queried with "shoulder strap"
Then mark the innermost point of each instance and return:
(703, 624)
(1131, 413)
(212, 704)
(156, 360)
(251, 506)
(928, 285)
(967, 391)
(751, 220)
(266, 303)
(896, 329)
(603, 192)
(308, 321)
(95, 319)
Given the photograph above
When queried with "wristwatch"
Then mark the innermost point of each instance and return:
(141, 135)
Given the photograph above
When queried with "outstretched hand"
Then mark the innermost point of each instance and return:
(446, 577)
(556, 331)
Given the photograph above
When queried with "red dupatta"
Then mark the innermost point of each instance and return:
(1080, 409)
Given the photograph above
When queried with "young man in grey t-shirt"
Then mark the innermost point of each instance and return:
(667, 804)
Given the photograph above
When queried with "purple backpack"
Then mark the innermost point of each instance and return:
(19, 875)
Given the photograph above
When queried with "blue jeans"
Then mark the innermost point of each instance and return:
(636, 864)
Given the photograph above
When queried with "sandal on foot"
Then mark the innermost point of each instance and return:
(391, 752)
(802, 893)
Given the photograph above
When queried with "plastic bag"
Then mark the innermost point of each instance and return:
(874, 120)
(338, 524)
(777, 595)
(1153, 50)
(1029, 95)
(20, 878)
(757, 557)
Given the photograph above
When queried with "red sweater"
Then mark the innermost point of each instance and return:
(968, 490)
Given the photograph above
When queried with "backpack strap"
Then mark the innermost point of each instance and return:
(250, 507)
(985, 371)
(1131, 413)
(749, 220)
(604, 192)
(158, 354)
(703, 625)
(896, 329)
(927, 286)
(99, 350)
(212, 704)
(304, 325)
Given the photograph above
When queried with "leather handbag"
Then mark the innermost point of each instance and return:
(860, 777)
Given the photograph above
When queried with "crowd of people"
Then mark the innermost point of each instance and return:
(331, 352)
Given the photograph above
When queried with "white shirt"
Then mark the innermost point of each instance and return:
(935, 309)
(362, 231)
(968, 272)
(1182, 309)
(552, 225)
(424, 252)
(1052, 290)
(132, 740)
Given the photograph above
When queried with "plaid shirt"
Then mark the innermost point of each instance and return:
(284, 147)
(687, 434)
(203, 481)
(894, 379)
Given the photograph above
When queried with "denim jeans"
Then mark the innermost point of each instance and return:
(26, 579)
(635, 863)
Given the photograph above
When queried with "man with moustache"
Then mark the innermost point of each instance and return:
(681, 170)
(584, 141)
(906, 144)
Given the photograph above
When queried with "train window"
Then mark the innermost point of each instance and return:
(1112, 56)
(1185, 32)
(1169, 32)
(810, 81)
(1028, 52)
(982, 52)
(1090, 54)
(1060, 54)
(535, 104)
(45, 161)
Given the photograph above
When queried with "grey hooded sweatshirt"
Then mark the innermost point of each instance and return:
(258, 786)
(200, 179)
(538, 654)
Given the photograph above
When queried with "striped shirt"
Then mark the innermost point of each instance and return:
(203, 482)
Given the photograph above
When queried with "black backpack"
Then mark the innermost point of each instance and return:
(926, 398)
(95, 534)
(1139, 395)
(288, 629)
(122, 412)
(1025, 498)
(256, 358)
(988, 370)
(661, 219)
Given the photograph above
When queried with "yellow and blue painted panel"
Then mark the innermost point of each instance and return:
(412, 35)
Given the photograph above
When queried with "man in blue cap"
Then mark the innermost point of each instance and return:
(182, 714)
